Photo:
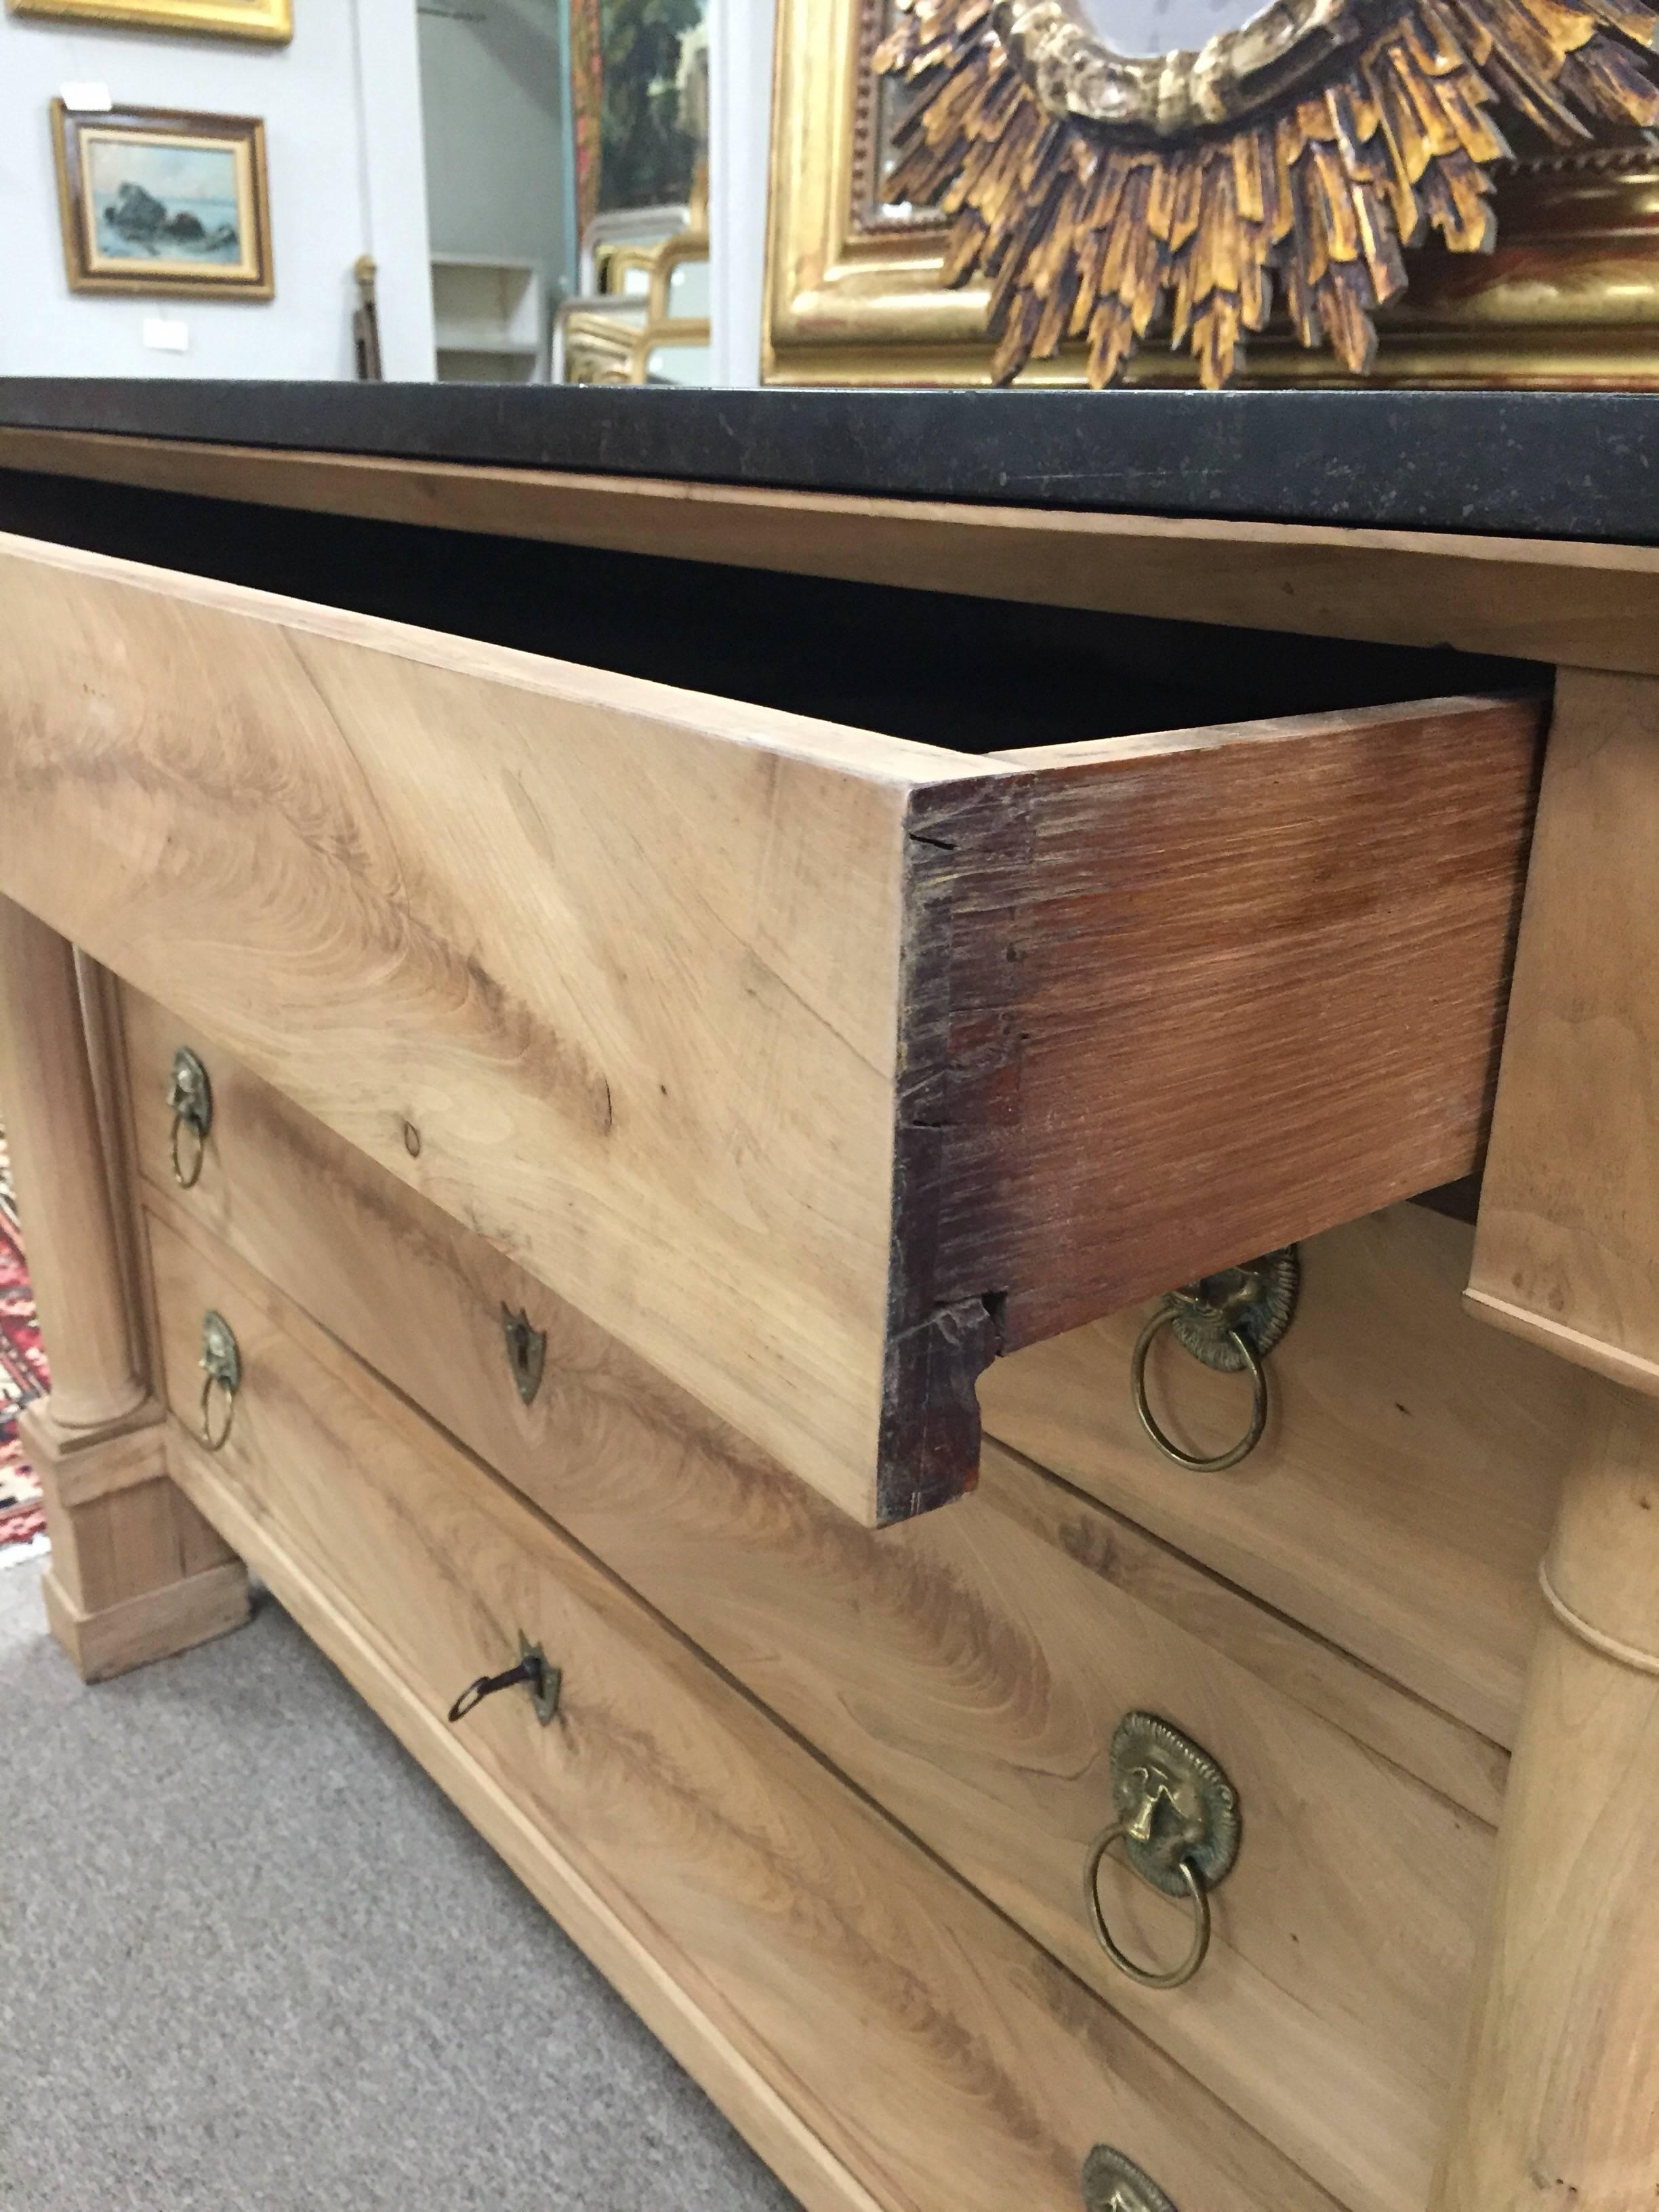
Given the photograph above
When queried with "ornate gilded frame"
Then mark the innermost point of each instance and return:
(270, 21)
(1568, 298)
(602, 330)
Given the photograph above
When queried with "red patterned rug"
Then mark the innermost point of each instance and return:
(22, 1376)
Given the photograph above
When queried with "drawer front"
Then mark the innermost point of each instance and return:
(967, 1671)
(816, 1066)
(1404, 1492)
(931, 2049)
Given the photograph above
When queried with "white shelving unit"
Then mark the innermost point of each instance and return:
(488, 320)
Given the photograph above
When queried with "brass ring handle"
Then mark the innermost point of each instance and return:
(190, 1094)
(222, 1368)
(1150, 1977)
(187, 1179)
(216, 1440)
(1165, 1316)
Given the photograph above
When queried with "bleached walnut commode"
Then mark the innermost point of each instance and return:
(745, 1103)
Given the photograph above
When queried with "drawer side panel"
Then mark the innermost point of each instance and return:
(608, 971)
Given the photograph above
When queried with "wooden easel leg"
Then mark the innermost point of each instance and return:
(135, 1572)
(1559, 2106)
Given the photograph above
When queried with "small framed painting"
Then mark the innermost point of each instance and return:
(270, 20)
(160, 201)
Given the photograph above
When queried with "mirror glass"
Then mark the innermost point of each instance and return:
(1154, 27)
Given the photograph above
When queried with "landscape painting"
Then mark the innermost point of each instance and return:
(158, 200)
(164, 200)
(639, 75)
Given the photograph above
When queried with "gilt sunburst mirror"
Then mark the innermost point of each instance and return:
(973, 190)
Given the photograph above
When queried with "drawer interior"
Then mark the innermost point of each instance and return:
(973, 674)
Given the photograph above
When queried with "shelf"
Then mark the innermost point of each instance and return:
(455, 339)
(490, 313)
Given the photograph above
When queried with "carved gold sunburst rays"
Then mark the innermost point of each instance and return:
(1091, 192)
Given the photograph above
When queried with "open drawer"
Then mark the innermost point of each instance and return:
(818, 1066)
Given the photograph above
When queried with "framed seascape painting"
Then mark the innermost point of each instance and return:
(270, 20)
(156, 200)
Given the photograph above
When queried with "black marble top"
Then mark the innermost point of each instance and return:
(1580, 464)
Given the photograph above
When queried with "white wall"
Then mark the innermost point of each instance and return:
(341, 115)
(740, 41)
(394, 181)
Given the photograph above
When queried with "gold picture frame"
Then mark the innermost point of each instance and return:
(611, 335)
(1569, 299)
(164, 202)
(269, 20)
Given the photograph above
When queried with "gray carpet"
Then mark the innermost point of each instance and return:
(251, 1960)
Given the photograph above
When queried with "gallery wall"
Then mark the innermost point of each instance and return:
(741, 33)
(353, 170)
(341, 107)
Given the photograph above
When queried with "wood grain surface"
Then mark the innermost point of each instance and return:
(817, 1065)
(1267, 968)
(1567, 1249)
(625, 960)
(931, 2048)
(1402, 1496)
(1558, 2107)
(136, 1573)
(50, 1104)
(1543, 599)
(1559, 2092)
(621, 1944)
(967, 1671)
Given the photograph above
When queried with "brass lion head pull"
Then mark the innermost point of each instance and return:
(1166, 1820)
(222, 1368)
(190, 1099)
(1112, 2182)
(1230, 1321)
(1178, 1821)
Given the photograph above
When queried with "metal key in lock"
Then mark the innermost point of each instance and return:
(543, 1681)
